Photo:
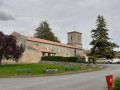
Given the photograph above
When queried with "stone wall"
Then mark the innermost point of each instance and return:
(63, 63)
(31, 55)
(19, 38)
(8, 61)
(60, 51)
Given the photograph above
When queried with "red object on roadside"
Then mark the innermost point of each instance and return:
(109, 79)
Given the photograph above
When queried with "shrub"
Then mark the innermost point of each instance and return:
(59, 58)
(51, 58)
(81, 59)
(70, 59)
(92, 59)
(116, 84)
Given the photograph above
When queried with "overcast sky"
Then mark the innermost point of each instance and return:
(24, 16)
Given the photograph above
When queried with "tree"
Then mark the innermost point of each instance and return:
(9, 48)
(102, 47)
(45, 32)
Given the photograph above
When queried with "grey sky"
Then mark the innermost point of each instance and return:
(24, 16)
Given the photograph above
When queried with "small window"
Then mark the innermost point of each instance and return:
(43, 54)
(71, 37)
(48, 54)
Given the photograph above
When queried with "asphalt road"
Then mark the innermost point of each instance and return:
(80, 81)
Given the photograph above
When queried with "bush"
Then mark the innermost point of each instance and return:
(59, 58)
(51, 58)
(116, 84)
(92, 59)
(81, 59)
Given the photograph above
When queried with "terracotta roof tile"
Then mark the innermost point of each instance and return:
(83, 54)
(41, 49)
(49, 42)
(118, 54)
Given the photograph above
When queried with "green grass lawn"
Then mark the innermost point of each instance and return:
(9, 70)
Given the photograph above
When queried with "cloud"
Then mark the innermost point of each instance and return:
(62, 15)
(25, 31)
(0, 3)
(5, 15)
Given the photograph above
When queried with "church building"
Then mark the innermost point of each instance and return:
(35, 48)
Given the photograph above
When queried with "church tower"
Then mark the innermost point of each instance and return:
(75, 39)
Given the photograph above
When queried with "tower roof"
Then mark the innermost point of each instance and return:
(74, 32)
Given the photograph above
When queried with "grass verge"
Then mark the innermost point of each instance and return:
(9, 70)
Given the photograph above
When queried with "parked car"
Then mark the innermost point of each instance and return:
(101, 60)
(115, 60)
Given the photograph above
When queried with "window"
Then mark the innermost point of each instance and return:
(48, 54)
(71, 37)
(75, 52)
(43, 54)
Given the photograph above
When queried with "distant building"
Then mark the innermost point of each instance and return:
(118, 54)
(85, 53)
(35, 48)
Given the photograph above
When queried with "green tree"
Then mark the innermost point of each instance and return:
(45, 32)
(102, 47)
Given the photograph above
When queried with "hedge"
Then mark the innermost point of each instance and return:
(116, 84)
(79, 59)
(59, 58)
(92, 59)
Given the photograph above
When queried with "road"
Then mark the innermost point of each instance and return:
(80, 81)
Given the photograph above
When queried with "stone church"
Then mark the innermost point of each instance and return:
(35, 48)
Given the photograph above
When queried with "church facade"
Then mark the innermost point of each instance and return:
(35, 48)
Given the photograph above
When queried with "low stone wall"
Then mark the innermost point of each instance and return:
(64, 63)
(8, 61)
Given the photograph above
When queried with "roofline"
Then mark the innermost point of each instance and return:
(52, 43)
(58, 45)
(74, 32)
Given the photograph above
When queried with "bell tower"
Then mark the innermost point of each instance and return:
(75, 39)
